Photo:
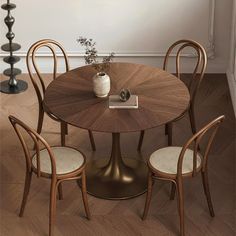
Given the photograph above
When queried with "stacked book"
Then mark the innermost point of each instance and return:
(116, 103)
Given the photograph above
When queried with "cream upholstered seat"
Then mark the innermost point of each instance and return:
(58, 164)
(166, 159)
(174, 163)
(67, 160)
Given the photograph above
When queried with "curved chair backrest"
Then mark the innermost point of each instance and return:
(213, 126)
(199, 69)
(16, 123)
(52, 45)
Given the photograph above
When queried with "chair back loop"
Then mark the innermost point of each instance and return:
(199, 68)
(212, 127)
(32, 67)
(37, 139)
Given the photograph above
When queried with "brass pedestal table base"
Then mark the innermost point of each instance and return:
(117, 178)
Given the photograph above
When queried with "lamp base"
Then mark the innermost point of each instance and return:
(20, 87)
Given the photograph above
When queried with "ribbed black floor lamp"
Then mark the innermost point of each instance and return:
(12, 85)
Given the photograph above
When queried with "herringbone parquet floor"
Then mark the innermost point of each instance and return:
(120, 217)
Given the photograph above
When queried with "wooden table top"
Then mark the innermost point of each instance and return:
(162, 98)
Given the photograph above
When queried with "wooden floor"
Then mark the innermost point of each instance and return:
(120, 217)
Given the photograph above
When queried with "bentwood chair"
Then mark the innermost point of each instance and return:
(56, 163)
(40, 87)
(193, 85)
(177, 163)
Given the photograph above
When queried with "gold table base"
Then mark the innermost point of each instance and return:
(116, 178)
(131, 184)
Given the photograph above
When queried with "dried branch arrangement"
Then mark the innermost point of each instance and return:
(91, 56)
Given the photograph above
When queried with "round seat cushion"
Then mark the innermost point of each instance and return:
(166, 159)
(67, 160)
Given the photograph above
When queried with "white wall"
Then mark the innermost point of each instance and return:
(35, 20)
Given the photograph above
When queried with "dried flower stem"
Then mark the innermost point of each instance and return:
(91, 55)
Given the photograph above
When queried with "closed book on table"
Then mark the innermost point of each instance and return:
(116, 103)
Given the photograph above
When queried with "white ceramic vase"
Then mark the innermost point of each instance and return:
(101, 84)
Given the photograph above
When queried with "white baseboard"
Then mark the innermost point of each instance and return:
(217, 65)
(232, 88)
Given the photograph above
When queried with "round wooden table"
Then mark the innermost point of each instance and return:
(162, 98)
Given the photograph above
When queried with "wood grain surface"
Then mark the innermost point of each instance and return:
(120, 218)
(162, 98)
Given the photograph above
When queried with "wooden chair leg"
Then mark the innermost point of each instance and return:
(181, 206)
(140, 142)
(92, 140)
(60, 192)
(170, 138)
(52, 207)
(149, 195)
(173, 190)
(192, 122)
(207, 192)
(166, 129)
(66, 129)
(63, 134)
(40, 121)
(28, 178)
(193, 125)
(84, 195)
